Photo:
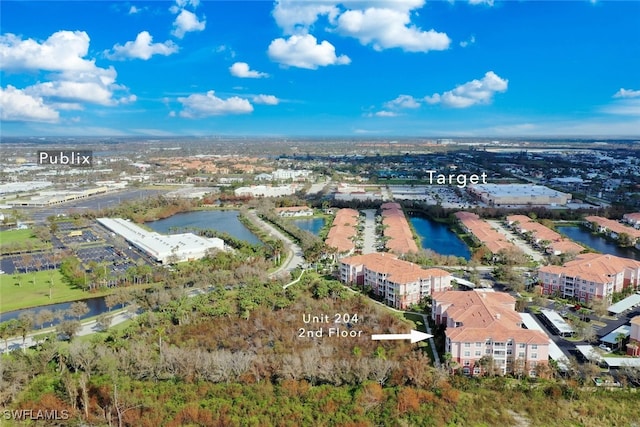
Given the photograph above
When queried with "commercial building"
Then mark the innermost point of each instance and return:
(164, 249)
(485, 333)
(590, 276)
(518, 195)
(399, 283)
(50, 198)
(266, 190)
(295, 175)
(294, 211)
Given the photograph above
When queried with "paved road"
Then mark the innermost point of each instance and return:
(87, 328)
(295, 258)
(521, 244)
(95, 202)
(369, 233)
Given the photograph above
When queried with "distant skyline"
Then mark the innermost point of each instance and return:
(355, 68)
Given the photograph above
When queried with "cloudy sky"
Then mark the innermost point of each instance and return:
(320, 68)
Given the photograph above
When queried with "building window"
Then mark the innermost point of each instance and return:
(467, 353)
(478, 353)
(521, 355)
(509, 351)
(478, 344)
(534, 346)
(522, 346)
(534, 355)
(467, 344)
(467, 363)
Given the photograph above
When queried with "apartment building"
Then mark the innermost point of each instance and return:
(399, 283)
(541, 236)
(613, 228)
(633, 219)
(343, 232)
(633, 347)
(590, 276)
(483, 329)
(483, 233)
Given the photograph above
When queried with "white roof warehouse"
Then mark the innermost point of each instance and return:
(185, 247)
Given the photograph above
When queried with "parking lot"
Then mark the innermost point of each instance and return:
(29, 262)
(118, 262)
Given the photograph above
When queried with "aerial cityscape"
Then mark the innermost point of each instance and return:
(319, 213)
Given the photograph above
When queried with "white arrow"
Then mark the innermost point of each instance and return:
(414, 336)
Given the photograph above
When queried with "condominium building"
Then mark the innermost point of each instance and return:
(632, 218)
(541, 236)
(343, 232)
(483, 233)
(484, 333)
(590, 276)
(399, 283)
(633, 347)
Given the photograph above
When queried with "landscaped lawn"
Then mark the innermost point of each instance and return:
(10, 236)
(18, 290)
(420, 326)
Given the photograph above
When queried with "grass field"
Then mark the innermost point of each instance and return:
(10, 236)
(420, 326)
(14, 296)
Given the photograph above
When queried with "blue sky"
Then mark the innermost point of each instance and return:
(363, 68)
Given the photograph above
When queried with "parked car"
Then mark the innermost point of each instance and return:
(605, 348)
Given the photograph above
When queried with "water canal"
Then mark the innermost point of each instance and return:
(223, 221)
(312, 225)
(599, 243)
(439, 238)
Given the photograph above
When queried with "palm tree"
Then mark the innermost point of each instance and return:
(620, 340)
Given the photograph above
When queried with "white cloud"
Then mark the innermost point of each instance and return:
(478, 2)
(70, 91)
(383, 113)
(627, 93)
(74, 79)
(242, 70)
(142, 48)
(304, 51)
(62, 51)
(469, 42)
(16, 105)
(384, 24)
(624, 107)
(133, 10)
(296, 15)
(205, 105)
(389, 28)
(187, 22)
(266, 99)
(471, 93)
(224, 48)
(403, 101)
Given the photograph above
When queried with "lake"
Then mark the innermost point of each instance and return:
(312, 225)
(583, 235)
(439, 238)
(223, 221)
(96, 306)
